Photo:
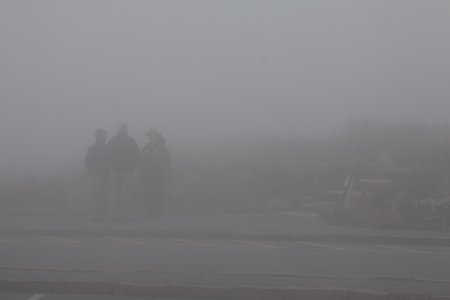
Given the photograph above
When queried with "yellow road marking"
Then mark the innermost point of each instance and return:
(439, 253)
(404, 249)
(61, 240)
(262, 245)
(36, 297)
(299, 214)
(14, 241)
(324, 246)
(128, 241)
(194, 243)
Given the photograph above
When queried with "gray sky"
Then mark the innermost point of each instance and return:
(204, 69)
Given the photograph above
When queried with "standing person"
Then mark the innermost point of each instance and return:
(154, 167)
(98, 166)
(124, 153)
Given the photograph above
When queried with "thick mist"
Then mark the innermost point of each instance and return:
(208, 71)
(224, 149)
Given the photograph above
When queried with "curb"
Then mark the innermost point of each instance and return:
(204, 292)
(371, 239)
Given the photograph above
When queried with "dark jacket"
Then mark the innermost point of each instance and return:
(97, 159)
(124, 153)
(155, 161)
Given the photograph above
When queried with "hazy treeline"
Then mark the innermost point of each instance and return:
(264, 174)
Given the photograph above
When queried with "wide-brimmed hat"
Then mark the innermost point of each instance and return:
(152, 132)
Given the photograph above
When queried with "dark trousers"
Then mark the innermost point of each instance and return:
(154, 197)
(100, 195)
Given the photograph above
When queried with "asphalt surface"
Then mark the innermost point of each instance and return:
(234, 260)
(286, 223)
(224, 256)
(18, 296)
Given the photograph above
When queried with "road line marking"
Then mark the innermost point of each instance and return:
(234, 246)
(36, 297)
(404, 249)
(299, 214)
(375, 250)
(12, 241)
(129, 241)
(325, 246)
(440, 253)
(193, 243)
(61, 239)
(262, 245)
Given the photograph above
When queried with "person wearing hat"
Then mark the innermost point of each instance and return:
(98, 165)
(124, 154)
(154, 166)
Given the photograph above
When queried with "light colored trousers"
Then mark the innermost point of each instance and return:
(122, 189)
(99, 184)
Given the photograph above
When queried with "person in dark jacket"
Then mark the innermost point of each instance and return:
(154, 167)
(98, 165)
(124, 155)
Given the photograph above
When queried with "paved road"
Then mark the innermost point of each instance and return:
(17, 296)
(224, 256)
(286, 223)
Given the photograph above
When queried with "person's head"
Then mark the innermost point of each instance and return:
(154, 136)
(101, 135)
(123, 128)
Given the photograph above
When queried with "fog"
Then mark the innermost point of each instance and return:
(188, 148)
(203, 71)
